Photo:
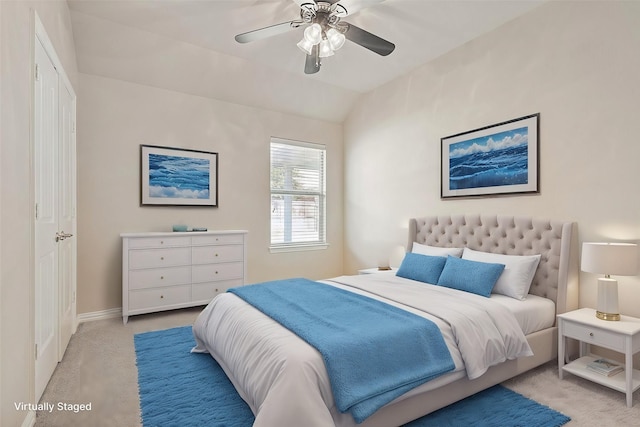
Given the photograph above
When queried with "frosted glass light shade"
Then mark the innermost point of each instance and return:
(313, 33)
(619, 259)
(336, 38)
(306, 46)
(325, 49)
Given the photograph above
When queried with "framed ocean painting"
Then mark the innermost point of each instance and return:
(176, 176)
(497, 159)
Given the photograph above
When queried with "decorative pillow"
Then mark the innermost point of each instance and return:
(470, 276)
(419, 248)
(518, 273)
(423, 268)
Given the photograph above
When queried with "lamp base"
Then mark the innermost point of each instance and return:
(607, 307)
(607, 316)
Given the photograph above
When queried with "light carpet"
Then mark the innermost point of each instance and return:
(180, 388)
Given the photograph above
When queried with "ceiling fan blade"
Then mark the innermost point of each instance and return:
(265, 32)
(312, 63)
(369, 41)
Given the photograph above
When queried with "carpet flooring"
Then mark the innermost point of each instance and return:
(99, 367)
(180, 388)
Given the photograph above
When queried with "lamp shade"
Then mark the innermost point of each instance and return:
(620, 259)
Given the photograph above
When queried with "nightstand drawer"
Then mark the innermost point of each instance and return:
(594, 336)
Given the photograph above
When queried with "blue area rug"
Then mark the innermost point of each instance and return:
(180, 388)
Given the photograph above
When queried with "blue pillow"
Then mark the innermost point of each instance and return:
(423, 268)
(470, 276)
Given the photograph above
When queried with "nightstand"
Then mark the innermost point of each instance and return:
(622, 336)
(375, 270)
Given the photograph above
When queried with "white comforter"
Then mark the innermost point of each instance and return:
(283, 379)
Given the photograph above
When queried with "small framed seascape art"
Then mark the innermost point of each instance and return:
(493, 160)
(177, 176)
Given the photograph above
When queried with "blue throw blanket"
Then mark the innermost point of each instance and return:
(373, 352)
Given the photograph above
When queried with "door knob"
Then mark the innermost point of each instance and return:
(62, 235)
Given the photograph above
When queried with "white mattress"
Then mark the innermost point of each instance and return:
(533, 314)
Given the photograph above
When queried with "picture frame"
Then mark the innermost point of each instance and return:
(178, 177)
(493, 160)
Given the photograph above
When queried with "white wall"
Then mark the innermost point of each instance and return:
(16, 194)
(115, 117)
(575, 63)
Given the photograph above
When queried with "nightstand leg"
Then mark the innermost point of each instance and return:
(628, 362)
(561, 348)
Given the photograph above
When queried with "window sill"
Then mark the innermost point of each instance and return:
(298, 248)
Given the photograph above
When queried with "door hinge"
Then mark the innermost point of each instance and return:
(73, 127)
(37, 72)
(74, 297)
(36, 211)
(36, 351)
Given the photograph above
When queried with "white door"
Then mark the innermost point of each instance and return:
(66, 218)
(46, 149)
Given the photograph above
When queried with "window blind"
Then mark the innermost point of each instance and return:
(297, 193)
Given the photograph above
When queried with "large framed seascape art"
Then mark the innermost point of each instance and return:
(176, 176)
(497, 159)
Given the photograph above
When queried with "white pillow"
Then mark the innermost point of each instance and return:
(518, 273)
(421, 249)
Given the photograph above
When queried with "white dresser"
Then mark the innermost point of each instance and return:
(165, 271)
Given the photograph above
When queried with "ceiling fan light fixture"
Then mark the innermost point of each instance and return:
(305, 46)
(313, 33)
(325, 49)
(336, 38)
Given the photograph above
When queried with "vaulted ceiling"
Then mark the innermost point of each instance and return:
(189, 46)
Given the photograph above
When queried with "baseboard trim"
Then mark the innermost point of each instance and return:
(30, 419)
(100, 315)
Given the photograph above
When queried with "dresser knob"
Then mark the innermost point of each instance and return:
(162, 242)
(161, 296)
(161, 277)
(216, 254)
(216, 272)
(591, 334)
(162, 258)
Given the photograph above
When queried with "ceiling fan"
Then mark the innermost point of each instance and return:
(325, 32)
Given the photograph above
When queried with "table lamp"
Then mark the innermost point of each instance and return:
(619, 259)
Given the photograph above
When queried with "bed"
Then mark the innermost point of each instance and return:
(284, 381)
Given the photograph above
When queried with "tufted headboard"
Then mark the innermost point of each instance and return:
(556, 242)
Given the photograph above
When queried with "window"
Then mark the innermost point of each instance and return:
(297, 195)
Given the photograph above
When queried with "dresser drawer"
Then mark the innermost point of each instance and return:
(159, 242)
(594, 336)
(215, 272)
(153, 258)
(214, 254)
(206, 291)
(218, 239)
(157, 277)
(160, 297)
